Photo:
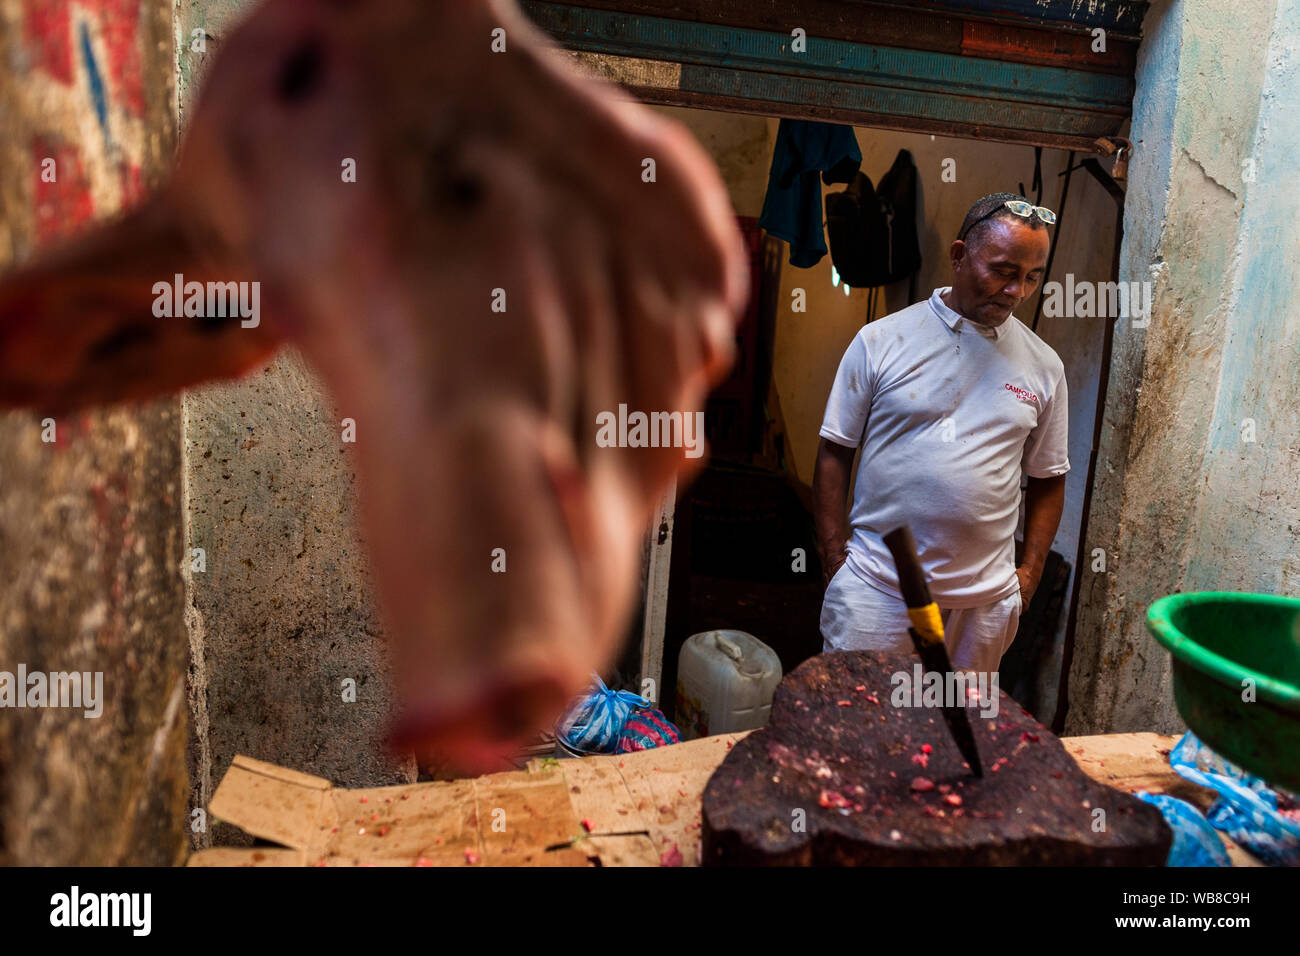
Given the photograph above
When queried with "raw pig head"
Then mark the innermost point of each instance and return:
(504, 268)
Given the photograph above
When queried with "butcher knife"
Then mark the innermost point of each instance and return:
(927, 636)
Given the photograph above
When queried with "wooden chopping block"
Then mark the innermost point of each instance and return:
(843, 775)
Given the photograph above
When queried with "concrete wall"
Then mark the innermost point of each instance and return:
(1183, 500)
(90, 529)
(284, 611)
(809, 345)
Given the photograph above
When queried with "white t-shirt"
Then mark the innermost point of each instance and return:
(948, 413)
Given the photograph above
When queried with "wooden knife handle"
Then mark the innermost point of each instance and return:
(911, 577)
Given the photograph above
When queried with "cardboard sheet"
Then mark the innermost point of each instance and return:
(630, 810)
(502, 819)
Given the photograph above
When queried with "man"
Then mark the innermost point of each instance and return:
(950, 400)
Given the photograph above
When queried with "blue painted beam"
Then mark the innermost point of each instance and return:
(778, 89)
(704, 44)
(756, 70)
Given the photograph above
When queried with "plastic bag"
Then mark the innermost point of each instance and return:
(646, 730)
(594, 722)
(1195, 841)
(1247, 809)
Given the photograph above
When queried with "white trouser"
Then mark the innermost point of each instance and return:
(859, 617)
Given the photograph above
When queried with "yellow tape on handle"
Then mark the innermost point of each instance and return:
(927, 622)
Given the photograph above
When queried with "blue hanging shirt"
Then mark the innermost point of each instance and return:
(792, 208)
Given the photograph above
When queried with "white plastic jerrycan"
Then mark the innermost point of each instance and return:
(725, 682)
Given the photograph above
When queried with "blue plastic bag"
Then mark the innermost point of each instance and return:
(1195, 842)
(1247, 808)
(594, 722)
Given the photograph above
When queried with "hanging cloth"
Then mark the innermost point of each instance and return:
(792, 208)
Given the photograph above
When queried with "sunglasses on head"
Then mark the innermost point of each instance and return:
(1019, 207)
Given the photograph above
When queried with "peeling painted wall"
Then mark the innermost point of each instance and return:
(1184, 501)
(90, 531)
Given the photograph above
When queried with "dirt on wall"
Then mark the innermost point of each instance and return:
(283, 612)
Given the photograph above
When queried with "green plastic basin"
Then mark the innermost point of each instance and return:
(1220, 640)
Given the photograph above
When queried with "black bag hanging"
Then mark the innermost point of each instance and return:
(872, 232)
(859, 234)
(897, 195)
